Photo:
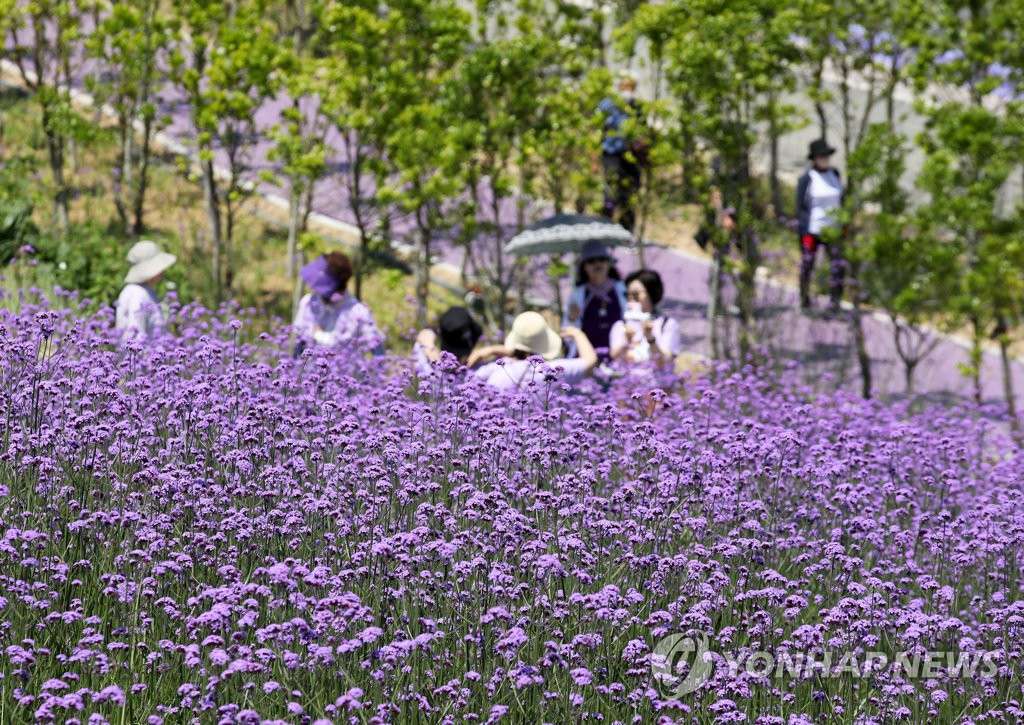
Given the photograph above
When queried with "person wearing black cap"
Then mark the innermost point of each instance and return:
(819, 193)
(599, 297)
(457, 333)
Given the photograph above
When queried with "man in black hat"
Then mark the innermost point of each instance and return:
(819, 194)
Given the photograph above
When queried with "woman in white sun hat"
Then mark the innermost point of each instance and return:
(138, 307)
(531, 336)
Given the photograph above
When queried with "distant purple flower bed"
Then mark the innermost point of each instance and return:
(211, 531)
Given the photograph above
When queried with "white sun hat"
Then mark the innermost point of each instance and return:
(147, 261)
(531, 333)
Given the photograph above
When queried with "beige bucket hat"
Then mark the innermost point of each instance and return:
(531, 333)
(147, 260)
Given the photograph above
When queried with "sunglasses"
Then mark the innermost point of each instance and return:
(598, 260)
(635, 296)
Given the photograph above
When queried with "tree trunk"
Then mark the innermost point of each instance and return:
(142, 185)
(977, 354)
(773, 171)
(423, 279)
(307, 205)
(819, 107)
(908, 358)
(364, 255)
(859, 343)
(229, 236)
(55, 155)
(356, 204)
(1008, 393)
(909, 366)
(294, 219)
(746, 294)
(118, 173)
(499, 263)
(714, 302)
(863, 359)
(212, 200)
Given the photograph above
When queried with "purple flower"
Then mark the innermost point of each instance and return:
(581, 676)
(259, 527)
(111, 693)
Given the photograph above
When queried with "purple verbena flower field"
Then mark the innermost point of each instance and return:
(208, 530)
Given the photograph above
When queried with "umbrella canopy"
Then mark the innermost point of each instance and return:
(567, 233)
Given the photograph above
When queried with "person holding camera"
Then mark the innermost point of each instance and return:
(644, 335)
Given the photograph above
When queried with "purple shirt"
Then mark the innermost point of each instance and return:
(421, 363)
(138, 313)
(343, 321)
(511, 374)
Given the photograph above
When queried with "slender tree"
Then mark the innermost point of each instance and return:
(425, 165)
(129, 43)
(299, 137)
(226, 63)
(358, 79)
(971, 149)
(729, 60)
(301, 151)
(43, 38)
(494, 93)
(906, 269)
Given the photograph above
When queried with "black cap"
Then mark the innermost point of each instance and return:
(820, 147)
(459, 332)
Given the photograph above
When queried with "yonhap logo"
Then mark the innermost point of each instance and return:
(680, 664)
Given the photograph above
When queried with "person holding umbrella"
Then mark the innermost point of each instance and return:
(599, 297)
(819, 193)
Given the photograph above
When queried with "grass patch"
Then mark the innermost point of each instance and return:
(175, 218)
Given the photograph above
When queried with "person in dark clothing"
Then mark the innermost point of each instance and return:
(819, 194)
(621, 157)
(599, 297)
(457, 332)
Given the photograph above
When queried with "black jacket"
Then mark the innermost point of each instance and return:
(803, 203)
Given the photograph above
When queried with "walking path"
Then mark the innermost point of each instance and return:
(821, 346)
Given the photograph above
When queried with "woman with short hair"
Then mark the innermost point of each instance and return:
(644, 334)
